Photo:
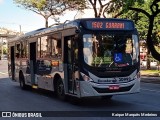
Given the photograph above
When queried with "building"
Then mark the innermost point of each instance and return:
(5, 34)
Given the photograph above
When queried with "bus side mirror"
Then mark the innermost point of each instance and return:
(77, 31)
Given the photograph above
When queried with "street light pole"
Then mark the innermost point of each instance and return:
(20, 29)
(1, 47)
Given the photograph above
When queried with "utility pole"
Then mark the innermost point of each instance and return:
(20, 29)
(1, 47)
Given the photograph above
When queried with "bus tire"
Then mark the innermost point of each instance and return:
(60, 89)
(22, 82)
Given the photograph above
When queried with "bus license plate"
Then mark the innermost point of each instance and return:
(114, 87)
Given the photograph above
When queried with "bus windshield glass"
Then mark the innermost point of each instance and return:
(110, 50)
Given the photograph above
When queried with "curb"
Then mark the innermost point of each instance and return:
(151, 79)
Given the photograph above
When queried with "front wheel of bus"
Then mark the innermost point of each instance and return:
(60, 90)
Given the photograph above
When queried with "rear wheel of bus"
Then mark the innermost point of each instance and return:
(59, 89)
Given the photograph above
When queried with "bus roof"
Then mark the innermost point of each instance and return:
(88, 23)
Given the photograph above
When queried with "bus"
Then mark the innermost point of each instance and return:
(89, 57)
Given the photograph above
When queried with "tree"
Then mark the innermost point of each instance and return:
(151, 14)
(119, 7)
(76, 4)
(45, 8)
(98, 6)
(51, 8)
(155, 10)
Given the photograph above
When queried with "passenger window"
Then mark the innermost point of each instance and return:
(39, 47)
(45, 47)
(56, 46)
(18, 49)
(24, 49)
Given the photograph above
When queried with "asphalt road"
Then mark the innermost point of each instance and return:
(12, 98)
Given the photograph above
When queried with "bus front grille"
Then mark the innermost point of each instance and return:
(106, 90)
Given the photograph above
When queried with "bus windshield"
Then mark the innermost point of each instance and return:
(110, 50)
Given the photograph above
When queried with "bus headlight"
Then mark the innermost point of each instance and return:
(85, 77)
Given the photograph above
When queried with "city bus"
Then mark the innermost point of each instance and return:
(89, 57)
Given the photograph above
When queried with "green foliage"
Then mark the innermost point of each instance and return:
(142, 21)
(121, 9)
(118, 7)
(32, 4)
(48, 8)
(76, 4)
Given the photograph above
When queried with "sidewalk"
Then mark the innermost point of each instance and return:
(150, 79)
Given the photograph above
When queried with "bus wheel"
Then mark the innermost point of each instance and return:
(108, 97)
(60, 90)
(22, 83)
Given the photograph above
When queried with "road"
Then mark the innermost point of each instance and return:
(12, 98)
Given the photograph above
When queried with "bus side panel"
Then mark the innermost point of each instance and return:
(24, 68)
(17, 69)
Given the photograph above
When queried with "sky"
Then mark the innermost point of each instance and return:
(12, 17)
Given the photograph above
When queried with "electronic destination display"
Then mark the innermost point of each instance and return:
(102, 24)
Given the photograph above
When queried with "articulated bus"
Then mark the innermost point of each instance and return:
(90, 57)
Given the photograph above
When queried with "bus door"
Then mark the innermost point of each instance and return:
(12, 63)
(32, 62)
(70, 60)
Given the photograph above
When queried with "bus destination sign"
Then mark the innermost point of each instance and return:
(109, 25)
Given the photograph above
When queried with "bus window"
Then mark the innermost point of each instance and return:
(45, 47)
(24, 49)
(56, 46)
(18, 49)
(57, 50)
(39, 47)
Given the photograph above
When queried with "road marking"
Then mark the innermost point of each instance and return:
(4, 73)
(150, 90)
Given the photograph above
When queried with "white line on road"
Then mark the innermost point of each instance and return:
(150, 90)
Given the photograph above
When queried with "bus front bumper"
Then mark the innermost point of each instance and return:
(88, 89)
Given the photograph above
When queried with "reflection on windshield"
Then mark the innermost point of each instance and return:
(106, 50)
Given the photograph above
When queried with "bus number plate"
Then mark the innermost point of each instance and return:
(114, 87)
